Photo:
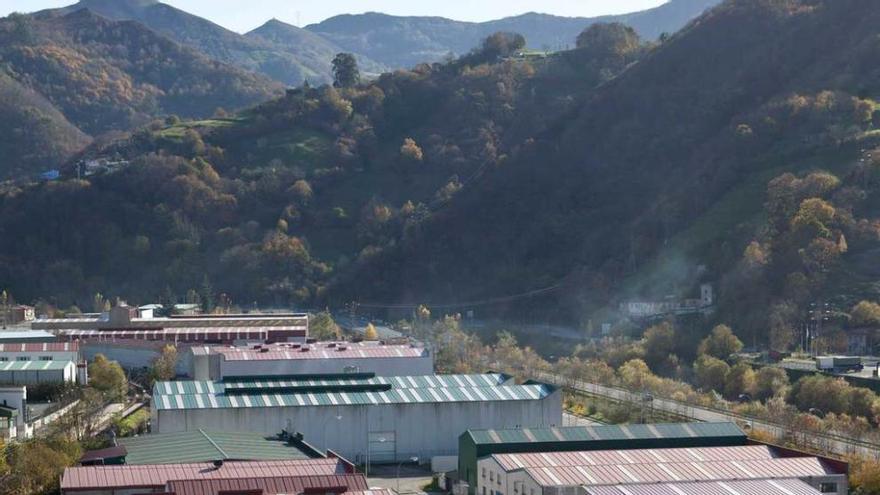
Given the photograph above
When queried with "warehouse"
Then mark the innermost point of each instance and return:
(34, 372)
(210, 478)
(39, 351)
(476, 444)
(215, 363)
(363, 417)
(17, 336)
(762, 487)
(202, 446)
(553, 472)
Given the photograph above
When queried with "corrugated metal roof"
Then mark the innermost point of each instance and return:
(606, 432)
(512, 462)
(799, 467)
(283, 352)
(209, 400)
(191, 333)
(377, 491)
(34, 365)
(39, 347)
(398, 382)
(11, 336)
(761, 487)
(268, 486)
(206, 446)
(105, 477)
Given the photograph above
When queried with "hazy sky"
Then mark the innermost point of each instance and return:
(244, 15)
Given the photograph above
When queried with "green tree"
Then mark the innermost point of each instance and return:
(345, 71)
(164, 366)
(659, 343)
(322, 327)
(821, 392)
(721, 343)
(36, 466)
(609, 39)
(108, 378)
(499, 45)
(206, 293)
(711, 373)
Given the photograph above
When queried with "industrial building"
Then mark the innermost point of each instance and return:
(35, 372)
(39, 351)
(331, 475)
(761, 487)
(363, 417)
(477, 444)
(17, 336)
(134, 341)
(559, 472)
(217, 362)
(202, 446)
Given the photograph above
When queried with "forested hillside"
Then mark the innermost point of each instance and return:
(729, 153)
(100, 75)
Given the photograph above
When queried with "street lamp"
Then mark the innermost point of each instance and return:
(414, 460)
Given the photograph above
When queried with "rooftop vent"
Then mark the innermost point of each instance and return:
(342, 348)
(331, 345)
(264, 349)
(305, 348)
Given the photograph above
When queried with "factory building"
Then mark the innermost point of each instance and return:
(331, 475)
(363, 417)
(761, 487)
(217, 362)
(35, 372)
(555, 473)
(477, 444)
(134, 341)
(39, 351)
(18, 336)
(202, 446)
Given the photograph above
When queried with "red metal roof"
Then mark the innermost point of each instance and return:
(192, 334)
(642, 456)
(313, 351)
(679, 472)
(762, 487)
(40, 347)
(269, 486)
(94, 477)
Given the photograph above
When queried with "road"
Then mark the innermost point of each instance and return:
(838, 445)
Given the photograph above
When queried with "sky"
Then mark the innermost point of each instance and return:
(244, 15)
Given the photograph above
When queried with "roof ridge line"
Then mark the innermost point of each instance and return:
(223, 452)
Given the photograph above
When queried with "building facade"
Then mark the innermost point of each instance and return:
(365, 418)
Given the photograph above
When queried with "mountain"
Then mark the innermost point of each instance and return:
(406, 41)
(35, 135)
(742, 152)
(306, 45)
(101, 75)
(298, 57)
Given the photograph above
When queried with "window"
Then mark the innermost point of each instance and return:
(491, 475)
(484, 472)
(484, 490)
(45, 358)
(24, 358)
(828, 487)
(3, 359)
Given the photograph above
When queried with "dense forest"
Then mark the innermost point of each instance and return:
(734, 152)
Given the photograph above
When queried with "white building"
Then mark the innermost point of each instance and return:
(555, 473)
(39, 351)
(40, 362)
(380, 419)
(218, 362)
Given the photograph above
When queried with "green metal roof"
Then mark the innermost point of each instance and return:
(8, 412)
(605, 432)
(206, 446)
(33, 365)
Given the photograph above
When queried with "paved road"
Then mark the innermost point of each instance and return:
(838, 445)
(412, 478)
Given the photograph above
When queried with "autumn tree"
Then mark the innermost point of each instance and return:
(370, 332)
(36, 466)
(865, 313)
(108, 377)
(410, 151)
(740, 379)
(609, 39)
(659, 343)
(721, 343)
(711, 372)
(499, 45)
(346, 73)
(322, 327)
(164, 366)
(770, 382)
